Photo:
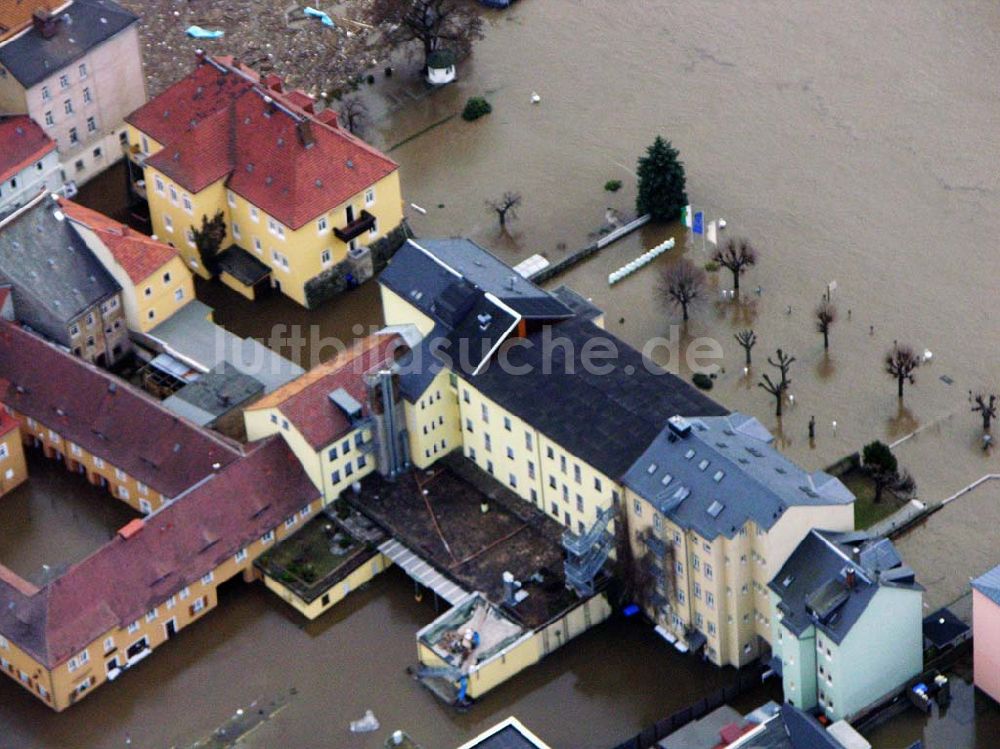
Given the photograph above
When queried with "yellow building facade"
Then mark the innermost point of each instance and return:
(13, 468)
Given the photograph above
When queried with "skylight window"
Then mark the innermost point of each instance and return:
(703, 465)
(667, 478)
(719, 475)
(715, 509)
(652, 469)
(689, 454)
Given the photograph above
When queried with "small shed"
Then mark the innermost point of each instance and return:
(441, 67)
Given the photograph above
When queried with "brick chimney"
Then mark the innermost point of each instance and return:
(305, 133)
(850, 578)
(45, 23)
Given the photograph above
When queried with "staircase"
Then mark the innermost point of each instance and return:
(587, 553)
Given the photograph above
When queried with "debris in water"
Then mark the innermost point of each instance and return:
(327, 21)
(367, 724)
(197, 32)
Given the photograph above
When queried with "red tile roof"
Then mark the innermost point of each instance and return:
(175, 547)
(221, 120)
(22, 142)
(305, 401)
(7, 423)
(139, 255)
(106, 416)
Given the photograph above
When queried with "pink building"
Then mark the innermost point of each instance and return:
(986, 632)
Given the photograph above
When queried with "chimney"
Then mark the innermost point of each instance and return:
(199, 56)
(45, 23)
(273, 82)
(849, 578)
(305, 133)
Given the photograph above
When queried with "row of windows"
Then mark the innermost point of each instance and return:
(362, 461)
(64, 81)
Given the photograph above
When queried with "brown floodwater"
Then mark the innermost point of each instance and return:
(852, 142)
(54, 520)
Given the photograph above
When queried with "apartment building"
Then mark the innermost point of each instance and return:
(76, 70)
(302, 199)
(847, 617)
(713, 512)
(325, 415)
(13, 469)
(500, 373)
(96, 425)
(154, 281)
(986, 632)
(29, 163)
(156, 577)
(60, 288)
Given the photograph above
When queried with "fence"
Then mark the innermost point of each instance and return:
(592, 249)
(746, 679)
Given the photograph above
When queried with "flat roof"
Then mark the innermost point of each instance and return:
(474, 549)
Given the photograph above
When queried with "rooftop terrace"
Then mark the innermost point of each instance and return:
(438, 515)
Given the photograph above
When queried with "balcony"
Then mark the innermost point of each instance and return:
(356, 228)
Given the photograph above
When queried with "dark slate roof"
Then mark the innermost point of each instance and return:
(812, 583)
(606, 419)
(792, 728)
(48, 263)
(30, 58)
(215, 393)
(723, 471)
(423, 269)
(989, 584)
(580, 306)
(419, 366)
(506, 738)
(242, 266)
(942, 628)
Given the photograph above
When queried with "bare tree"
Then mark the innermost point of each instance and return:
(436, 24)
(826, 316)
(353, 114)
(681, 284)
(506, 207)
(736, 254)
(782, 362)
(986, 408)
(900, 363)
(747, 340)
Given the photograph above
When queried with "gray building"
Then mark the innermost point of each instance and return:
(77, 73)
(59, 288)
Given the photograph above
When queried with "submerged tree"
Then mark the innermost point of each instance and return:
(900, 363)
(987, 408)
(826, 316)
(661, 182)
(681, 284)
(208, 241)
(353, 114)
(505, 207)
(883, 469)
(777, 388)
(736, 254)
(436, 24)
(747, 340)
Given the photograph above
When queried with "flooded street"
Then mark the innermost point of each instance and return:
(852, 142)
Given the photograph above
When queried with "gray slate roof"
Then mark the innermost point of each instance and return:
(56, 277)
(416, 276)
(215, 393)
(30, 58)
(724, 472)
(989, 584)
(812, 583)
(605, 418)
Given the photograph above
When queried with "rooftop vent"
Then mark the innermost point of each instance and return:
(679, 425)
(346, 403)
